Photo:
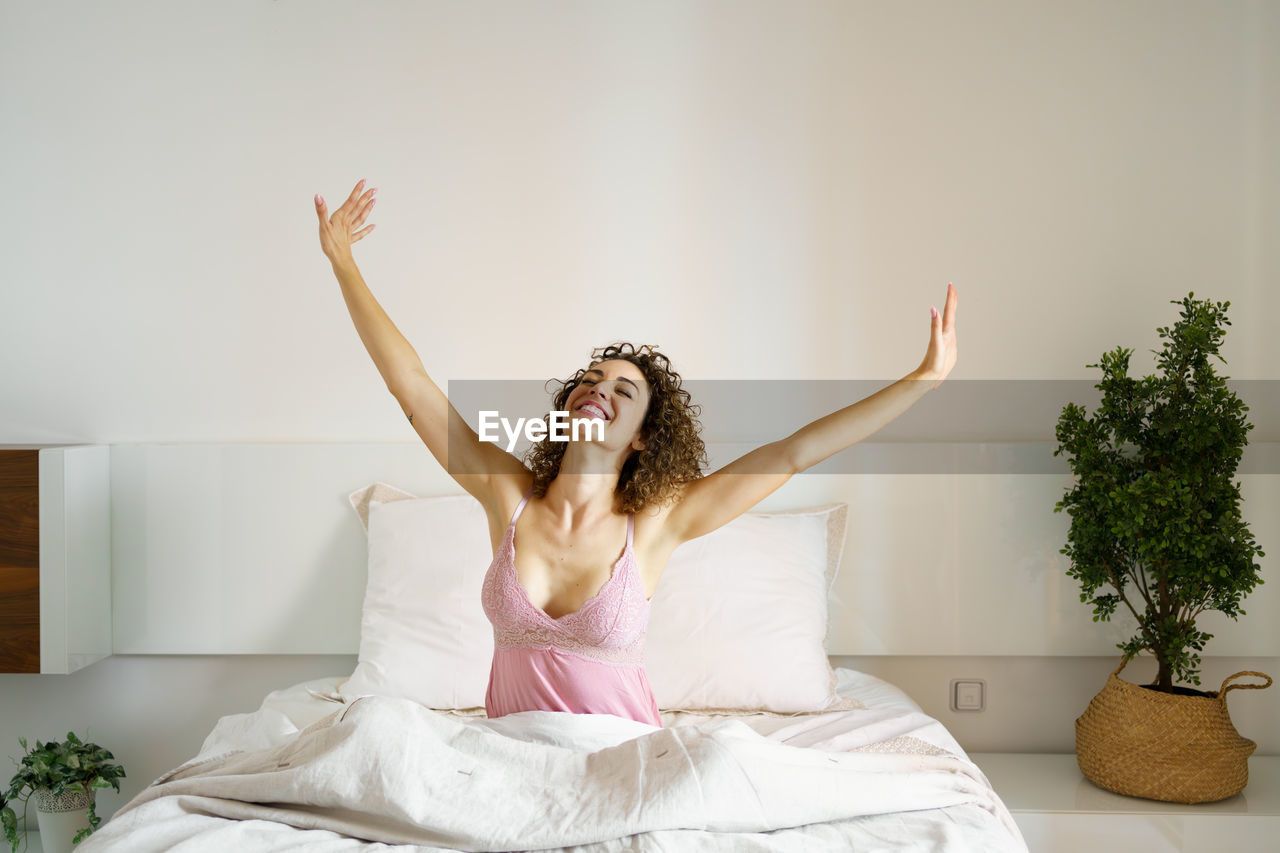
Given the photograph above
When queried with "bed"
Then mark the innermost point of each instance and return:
(763, 745)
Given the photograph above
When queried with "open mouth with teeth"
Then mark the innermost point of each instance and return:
(593, 409)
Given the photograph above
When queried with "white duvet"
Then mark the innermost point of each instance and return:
(380, 772)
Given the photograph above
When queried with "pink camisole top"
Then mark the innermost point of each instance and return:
(590, 661)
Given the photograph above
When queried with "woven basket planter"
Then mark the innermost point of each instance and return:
(1163, 746)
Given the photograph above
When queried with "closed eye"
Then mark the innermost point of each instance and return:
(619, 388)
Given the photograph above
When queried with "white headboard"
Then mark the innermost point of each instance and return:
(254, 549)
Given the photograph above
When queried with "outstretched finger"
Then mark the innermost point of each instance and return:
(953, 299)
(321, 210)
(355, 193)
(359, 235)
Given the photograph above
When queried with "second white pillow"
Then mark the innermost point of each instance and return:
(739, 620)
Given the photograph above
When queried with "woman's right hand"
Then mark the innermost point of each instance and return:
(338, 232)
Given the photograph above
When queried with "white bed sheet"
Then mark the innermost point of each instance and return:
(885, 721)
(287, 711)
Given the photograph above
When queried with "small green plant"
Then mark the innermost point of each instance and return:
(60, 767)
(1155, 515)
(8, 820)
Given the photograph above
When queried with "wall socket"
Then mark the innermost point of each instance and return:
(968, 694)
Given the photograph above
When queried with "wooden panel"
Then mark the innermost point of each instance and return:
(19, 561)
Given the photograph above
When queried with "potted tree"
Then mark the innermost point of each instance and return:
(1156, 527)
(62, 777)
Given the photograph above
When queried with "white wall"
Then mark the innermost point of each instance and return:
(767, 190)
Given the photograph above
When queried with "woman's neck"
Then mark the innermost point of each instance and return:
(584, 489)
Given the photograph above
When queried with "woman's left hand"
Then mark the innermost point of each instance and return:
(941, 356)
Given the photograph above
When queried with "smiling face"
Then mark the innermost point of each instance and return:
(617, 392)
(651, 413)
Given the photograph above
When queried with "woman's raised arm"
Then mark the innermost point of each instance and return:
(450, 439)
(394, 357)
(718, 498)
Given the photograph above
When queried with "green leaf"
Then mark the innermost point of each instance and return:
(72, 765)
(1155, 489)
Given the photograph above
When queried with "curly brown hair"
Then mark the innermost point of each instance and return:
(674, 453)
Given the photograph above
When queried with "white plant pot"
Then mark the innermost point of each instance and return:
(60, 818)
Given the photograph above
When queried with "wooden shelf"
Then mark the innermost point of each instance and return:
(1060, 811)
(55, 558)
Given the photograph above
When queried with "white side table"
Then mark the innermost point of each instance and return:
(1060, 811)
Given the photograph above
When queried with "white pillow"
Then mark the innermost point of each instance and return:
(739, 620)
(423, 632)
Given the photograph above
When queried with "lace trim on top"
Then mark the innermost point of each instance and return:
(610, 627)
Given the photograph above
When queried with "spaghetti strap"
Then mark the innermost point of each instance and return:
(631, 529)
(515, 515)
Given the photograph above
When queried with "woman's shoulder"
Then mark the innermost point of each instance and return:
(505, 493)
(651, 519)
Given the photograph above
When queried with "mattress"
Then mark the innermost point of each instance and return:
(308, 771)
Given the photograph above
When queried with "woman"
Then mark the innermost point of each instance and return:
(570, 613)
